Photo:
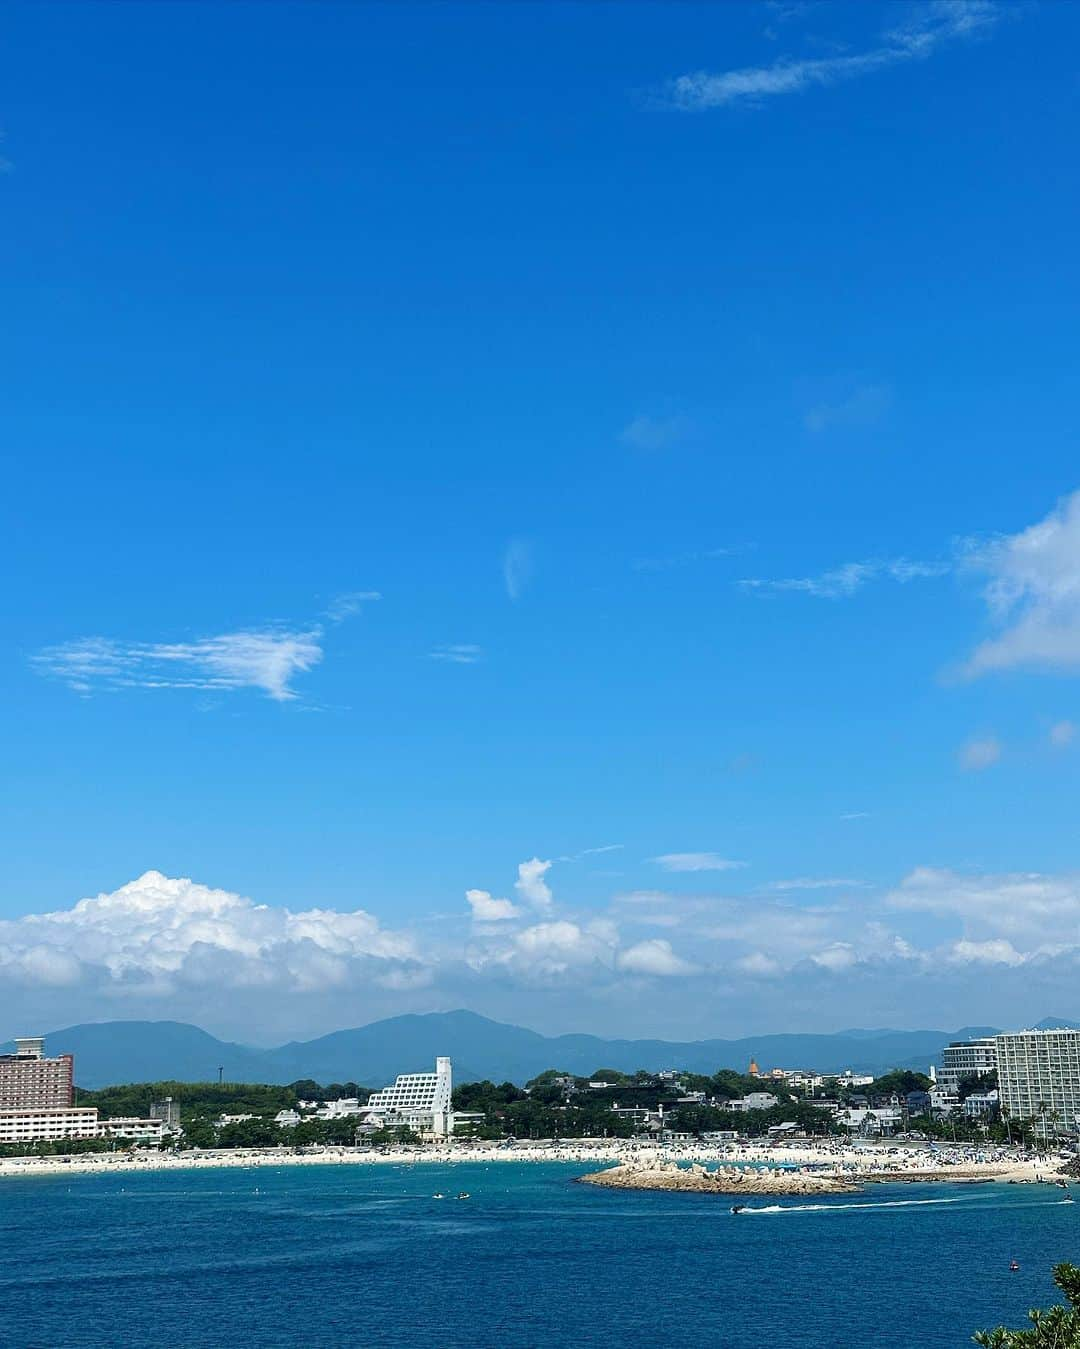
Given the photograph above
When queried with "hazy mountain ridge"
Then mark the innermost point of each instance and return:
(111, 1052)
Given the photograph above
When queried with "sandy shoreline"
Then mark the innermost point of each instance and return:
(820, 1167)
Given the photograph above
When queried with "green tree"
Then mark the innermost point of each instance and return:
(1056, 1328)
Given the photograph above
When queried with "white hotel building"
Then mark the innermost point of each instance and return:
(963, 1058)
(420, 1101)
(1039, 1079)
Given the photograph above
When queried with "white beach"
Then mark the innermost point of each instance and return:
(842, 1159)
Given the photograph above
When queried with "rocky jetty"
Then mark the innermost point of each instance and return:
(729, 1180)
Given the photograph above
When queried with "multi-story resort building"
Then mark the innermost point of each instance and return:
(963, 1058)
(28, 1078)
(36, 1095)
(418, 1101)
(35, 1124)
(1039, 1079)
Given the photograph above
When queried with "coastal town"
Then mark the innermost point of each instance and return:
(1001, 1107)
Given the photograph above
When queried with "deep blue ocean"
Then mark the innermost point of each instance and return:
(327, 1256)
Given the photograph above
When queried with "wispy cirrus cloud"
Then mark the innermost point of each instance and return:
(517, 567)
(264, 659)
(457, 653)
(980, 753)
(349, 604)
(928, 29)
(844, 581)
(863, 407)
(816, 883)
(684, 559)
(653, 434)
(268, 658)
(696, 861)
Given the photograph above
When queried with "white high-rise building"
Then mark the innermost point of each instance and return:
(1039, 1078)
(419, 1100)
(963, 1058)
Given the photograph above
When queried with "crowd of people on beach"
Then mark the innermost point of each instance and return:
(842, 1158)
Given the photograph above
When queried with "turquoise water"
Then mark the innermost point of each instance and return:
(329, 1256)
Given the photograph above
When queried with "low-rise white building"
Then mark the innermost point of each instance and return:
(41, 1124)
(340, 1109)
(755, 1100)
(135, 1129)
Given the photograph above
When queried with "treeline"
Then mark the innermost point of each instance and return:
(197, 1099)
(559, 1105)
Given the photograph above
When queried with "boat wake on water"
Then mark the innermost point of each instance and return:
(831, 1208)
(881, 1203)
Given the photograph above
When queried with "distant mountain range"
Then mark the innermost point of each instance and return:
(112, 1052)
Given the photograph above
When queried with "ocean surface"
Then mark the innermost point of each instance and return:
(327, 1256)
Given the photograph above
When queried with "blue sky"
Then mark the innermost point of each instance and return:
(441, 437)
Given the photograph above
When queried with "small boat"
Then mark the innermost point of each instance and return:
(463, 1194)
(737, 1208)
(438, 1195)
(1014, 1265)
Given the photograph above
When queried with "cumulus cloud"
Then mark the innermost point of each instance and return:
(759, 966)
(487, 909)
(159, 933)
(550, 951)
(1033, 595)
(930, 27)
(980, 753)
(654, 956)
(531, 885)
(696, 861)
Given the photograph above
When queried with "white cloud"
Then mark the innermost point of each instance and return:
(839, 956)
(268, 660)
(487, 909)
(1062, 734)
(696, 861)
(549, 951)
(844, 581)
(993, 952)
(654, 433)
(348, 604)
(159, 933)
(759, 965)
(683, 559)
(980, 753)
(931, 26)
(864, 407)
(654, 956)
(1027, 907)
(816, 883)
(517, 567)
(531, 885)
(457, 653)
(1033, 595)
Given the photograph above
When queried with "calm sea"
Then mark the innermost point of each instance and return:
(327, 1256)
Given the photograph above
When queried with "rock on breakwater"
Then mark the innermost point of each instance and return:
(724, 1180)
